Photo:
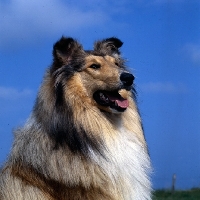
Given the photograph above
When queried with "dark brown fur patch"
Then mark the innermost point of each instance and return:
(56, 190)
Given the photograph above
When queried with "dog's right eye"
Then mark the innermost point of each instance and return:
(95, 66)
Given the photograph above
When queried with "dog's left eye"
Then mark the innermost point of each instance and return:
(95, 66)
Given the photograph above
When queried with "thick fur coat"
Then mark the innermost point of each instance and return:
(84, 138)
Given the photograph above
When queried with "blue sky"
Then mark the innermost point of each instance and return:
(162, 46)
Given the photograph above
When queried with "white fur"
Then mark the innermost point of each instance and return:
(128, 158)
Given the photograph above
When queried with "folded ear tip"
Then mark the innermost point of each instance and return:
(64, 49)
(108, 46)
(61, 44)
(117, 42)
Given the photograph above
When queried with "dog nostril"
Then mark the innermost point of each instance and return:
(127, 78)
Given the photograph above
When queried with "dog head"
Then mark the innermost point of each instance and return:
(97, 76)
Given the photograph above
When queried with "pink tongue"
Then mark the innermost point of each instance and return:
(121, 102)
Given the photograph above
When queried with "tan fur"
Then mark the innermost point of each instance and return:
(39, 170)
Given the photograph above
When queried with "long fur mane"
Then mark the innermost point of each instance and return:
(71, 149)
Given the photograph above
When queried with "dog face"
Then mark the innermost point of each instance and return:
(98, 76)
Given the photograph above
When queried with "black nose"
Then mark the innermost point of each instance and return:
(127, 79)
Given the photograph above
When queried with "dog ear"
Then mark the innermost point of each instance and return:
(64, 49)
(108, 46)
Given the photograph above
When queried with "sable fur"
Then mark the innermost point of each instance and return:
(73, 146)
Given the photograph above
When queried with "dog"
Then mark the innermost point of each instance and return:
(84, 138)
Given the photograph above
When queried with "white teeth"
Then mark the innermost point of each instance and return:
(116, 103)
(102, 97)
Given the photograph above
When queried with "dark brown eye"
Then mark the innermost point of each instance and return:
(117, 64)
(95, 66)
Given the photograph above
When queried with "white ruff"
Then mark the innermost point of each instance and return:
(129, 162)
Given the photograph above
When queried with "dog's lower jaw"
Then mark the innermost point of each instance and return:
(111, 101)
(108, 109)
(116, 112)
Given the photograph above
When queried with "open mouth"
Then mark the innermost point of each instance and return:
(112, 99)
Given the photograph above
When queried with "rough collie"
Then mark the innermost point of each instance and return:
(84, 138)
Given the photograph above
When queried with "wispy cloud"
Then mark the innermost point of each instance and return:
(26, 19)
(164, 87)
(193, 51)
(13, 93)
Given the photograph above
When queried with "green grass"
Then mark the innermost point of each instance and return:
(193, 194)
